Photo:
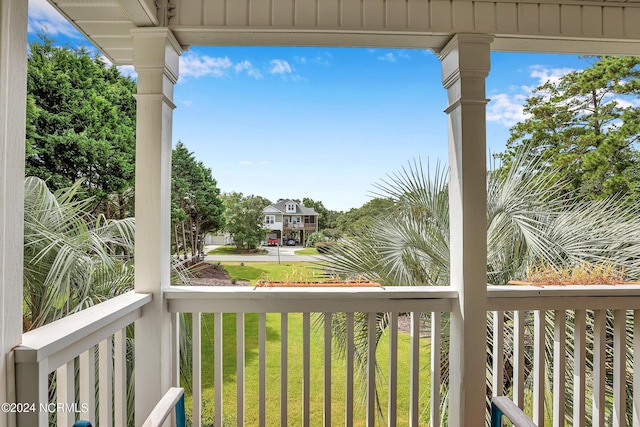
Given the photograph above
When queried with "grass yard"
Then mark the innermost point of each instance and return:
(254, 271)
(296, 271)
(307, 251)
(295, 375)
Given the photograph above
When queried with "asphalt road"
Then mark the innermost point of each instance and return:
(282, 254)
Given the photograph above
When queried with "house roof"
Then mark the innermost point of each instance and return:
(281, 207)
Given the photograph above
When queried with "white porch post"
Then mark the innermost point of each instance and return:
(465, 65)
(13, 84)
(155, 57)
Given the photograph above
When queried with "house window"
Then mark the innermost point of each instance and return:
(291, 207)
(269, 219)
(295, 219)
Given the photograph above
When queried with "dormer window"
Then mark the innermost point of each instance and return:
(291, 207)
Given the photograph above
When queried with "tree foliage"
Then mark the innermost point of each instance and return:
(357, 219)
(244, 218)
(586, 128)
(80, 121)
(196, 206)
(326, 217)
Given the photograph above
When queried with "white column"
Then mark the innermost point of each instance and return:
(13, 83)
(465, 65)
(155, 57)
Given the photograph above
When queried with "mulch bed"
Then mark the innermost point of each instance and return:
(205, 274)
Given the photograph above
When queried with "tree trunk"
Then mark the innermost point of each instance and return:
(121, 208)
(192, 239)
(184, 240)
(176, 240)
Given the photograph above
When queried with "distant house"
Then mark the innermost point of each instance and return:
(290, 220)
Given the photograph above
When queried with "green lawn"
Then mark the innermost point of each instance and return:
(254, 271)
(307, 251)
(295, 375)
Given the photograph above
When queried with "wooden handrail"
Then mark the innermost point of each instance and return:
(64, 339)
(173, 399)
(503, 406)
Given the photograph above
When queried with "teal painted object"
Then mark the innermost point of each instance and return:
(496, 415)
(181, 417)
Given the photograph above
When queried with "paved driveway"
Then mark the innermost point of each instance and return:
(282, 254)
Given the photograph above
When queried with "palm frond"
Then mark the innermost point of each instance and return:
(530, 220)
(69, 256)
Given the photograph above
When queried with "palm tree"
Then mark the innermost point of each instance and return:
(70, 257)
(74, 259)
(530, 220)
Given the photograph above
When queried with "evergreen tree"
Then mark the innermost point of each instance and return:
(80, 121)
(586, 127)
(196, 206)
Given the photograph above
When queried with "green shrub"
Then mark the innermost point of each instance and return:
(315, 238)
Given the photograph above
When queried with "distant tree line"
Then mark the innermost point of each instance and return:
(81, 117)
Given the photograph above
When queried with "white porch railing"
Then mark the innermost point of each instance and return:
(57, 352)
(547, 364)
(346, 302)
(536, 358)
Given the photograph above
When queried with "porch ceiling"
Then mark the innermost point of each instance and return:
(562, 26)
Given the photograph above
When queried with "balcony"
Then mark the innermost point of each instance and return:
(534, 358)
(288, 225)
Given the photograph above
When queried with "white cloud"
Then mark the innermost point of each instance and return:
(193, 65)
(324, 59)
(44, 18)
(394, 56)
(247, 66)
(506, 109)
(280, 66)
(623, 101)
(388, 57)
(552, 75)
(196, 65)
(128, 70)
(627, 103)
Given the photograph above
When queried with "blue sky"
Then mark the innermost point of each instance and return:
(323, 123)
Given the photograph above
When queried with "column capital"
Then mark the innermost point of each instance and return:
(465, 55)
(156, 49)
